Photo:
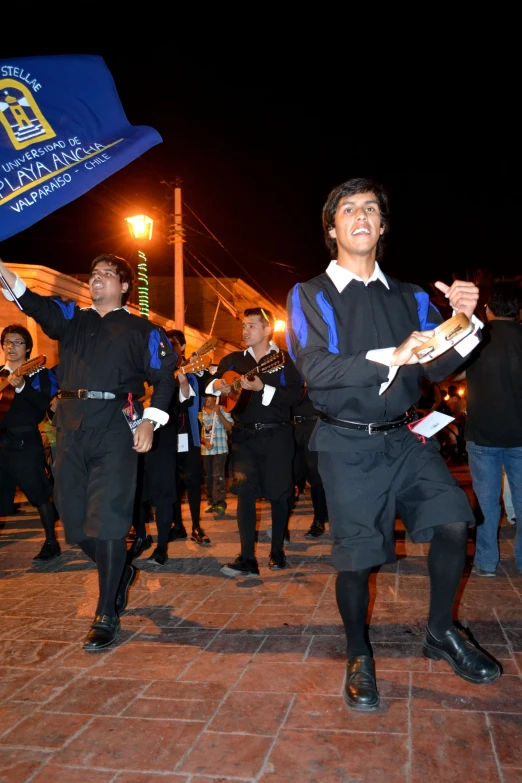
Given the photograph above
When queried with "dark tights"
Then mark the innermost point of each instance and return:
(109, 557)
(446, 560)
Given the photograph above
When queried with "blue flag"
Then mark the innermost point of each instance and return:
(62, 131)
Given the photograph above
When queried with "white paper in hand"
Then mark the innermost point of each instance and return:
(431, 424)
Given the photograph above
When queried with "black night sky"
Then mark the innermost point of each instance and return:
(257, 152)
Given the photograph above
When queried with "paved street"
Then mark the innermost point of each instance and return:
(217, 679)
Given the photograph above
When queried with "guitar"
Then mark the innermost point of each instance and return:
(207, 346)
(7, 392)
(238, 398)
(195, 364)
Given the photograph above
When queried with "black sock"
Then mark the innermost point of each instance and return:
(279, 523)
(140, 518)
(48, 517)
(319, 503)
(246, 522)
(110, 560)
(353, 595)
(446, 560)
(163, 524)
(88, 546)
(194, 501)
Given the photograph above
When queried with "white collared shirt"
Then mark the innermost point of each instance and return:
(268, 391)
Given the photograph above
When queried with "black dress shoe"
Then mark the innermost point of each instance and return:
(158, 557)
(48, 551)
(199, 536)
(360, 692)
(177, 533)
(465, 658)
(104, 631)
(138, 547)
(129, 576)
(277, 560)
(242, 566)
(316, 529)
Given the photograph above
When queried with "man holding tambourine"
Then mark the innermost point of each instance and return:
(362, 340)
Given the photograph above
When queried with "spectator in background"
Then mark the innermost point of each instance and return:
(494, 421)
(216, 424)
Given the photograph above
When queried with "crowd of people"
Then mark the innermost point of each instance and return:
(337, 410)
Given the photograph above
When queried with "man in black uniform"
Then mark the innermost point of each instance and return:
(262, 439)
(345, 326)
(106, 354)
(304, 419)
(22, 454)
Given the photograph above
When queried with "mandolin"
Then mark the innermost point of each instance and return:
(7, 392)
(238, 398)
(195, 364)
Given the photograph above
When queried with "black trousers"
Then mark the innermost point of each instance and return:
(95, 482)
(23, 464)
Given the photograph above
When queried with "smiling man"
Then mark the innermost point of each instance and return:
(353, 331)
(106, 354)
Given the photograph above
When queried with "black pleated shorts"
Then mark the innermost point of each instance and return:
(367, 490)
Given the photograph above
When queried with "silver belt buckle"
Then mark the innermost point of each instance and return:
(83, 394)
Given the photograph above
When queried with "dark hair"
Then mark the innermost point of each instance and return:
(505, 299)
(178, 335)
(264, 315)
(350, 188)
(123, 269)
(21, 330)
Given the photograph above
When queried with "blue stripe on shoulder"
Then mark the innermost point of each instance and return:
(289, 345)
(67, 307)
(423, 307)
(329, 319)
(154, 343)
(299, 325)
(35, 383)
(282, 379)
(54, 382)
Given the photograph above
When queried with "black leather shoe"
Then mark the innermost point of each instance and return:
(138, 547)
(129, 576)
(104, 631)
(48, 552)
(277, 560)
(177, 533)
(316, 529)
(158, 557)
(465, 658)
(241, 566)
(360, 692)
(200, 537)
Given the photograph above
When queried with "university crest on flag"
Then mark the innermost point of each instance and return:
(62, 131)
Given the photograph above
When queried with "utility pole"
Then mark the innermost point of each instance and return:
(176, 238)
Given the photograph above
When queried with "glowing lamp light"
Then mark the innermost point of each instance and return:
(461, 392)
(279, 326)
(447, 397)
(140, 226)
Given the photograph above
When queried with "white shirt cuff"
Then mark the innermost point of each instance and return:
(383, 356)
(19, 288)
(210, 389)
(182, 397)
(18, 389)
(268, 393)
(159, 417)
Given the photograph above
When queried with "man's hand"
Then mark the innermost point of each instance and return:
(221, 385)
(463, 296)
(17, 381)
(184, 384)
(255, 385)
(143, 436)
(404, 353)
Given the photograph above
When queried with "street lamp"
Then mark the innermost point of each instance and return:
(140, 227)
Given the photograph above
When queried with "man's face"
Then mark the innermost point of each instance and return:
(255, 330)
(357, 224)
(105, 285)
(14, 348)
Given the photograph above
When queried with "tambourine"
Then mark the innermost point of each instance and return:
(447, 334)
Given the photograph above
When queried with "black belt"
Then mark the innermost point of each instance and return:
(373, 427)
(259, 426)
(85, 394)
(299, 419)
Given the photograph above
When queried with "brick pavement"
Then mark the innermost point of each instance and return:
(217, 679)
